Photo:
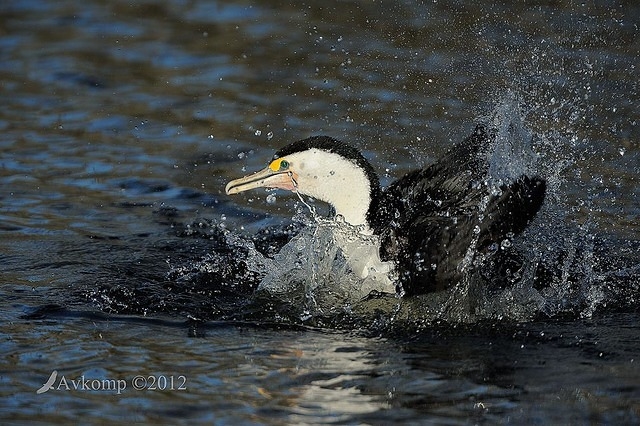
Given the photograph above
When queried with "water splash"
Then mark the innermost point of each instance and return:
(558, 266)
(320, 268)
(512, 154)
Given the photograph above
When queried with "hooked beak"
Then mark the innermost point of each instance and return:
(265, 178)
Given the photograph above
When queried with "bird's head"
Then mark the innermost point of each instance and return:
(323, 168)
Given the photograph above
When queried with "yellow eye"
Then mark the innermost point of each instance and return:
(279, 165)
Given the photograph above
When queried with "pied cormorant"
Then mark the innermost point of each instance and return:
(427, 220)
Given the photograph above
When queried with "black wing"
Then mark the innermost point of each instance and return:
(430, 219)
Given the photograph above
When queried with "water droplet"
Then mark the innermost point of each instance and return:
(271, 199)
(622, 151)
(258, 132)
(269, 135)
(241, 155)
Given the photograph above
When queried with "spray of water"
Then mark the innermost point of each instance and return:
(555, 267)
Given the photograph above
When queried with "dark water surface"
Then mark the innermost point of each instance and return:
(121, 122)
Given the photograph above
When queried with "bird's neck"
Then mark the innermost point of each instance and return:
(350, 199)
(351, 189)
